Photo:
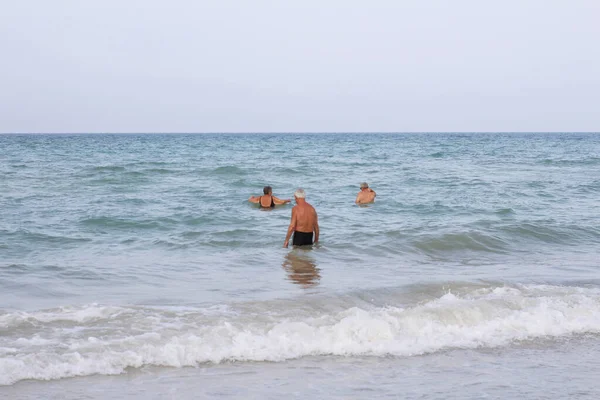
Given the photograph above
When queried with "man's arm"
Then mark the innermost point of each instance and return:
(254, 199)
(290, 228)
(280, 201)
(357, 201)
(316, 227)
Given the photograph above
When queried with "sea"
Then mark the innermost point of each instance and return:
(133, 266)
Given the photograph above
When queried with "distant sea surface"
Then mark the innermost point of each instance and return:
(133, 266)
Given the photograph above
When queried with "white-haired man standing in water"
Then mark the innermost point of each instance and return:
(366, 194)
(303, 223)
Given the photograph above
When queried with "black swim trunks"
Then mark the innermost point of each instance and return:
(302, 238)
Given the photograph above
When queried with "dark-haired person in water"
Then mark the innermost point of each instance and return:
(303, 223)
(267, 200)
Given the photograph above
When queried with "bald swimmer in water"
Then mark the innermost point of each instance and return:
(303, 223)
(366, 194)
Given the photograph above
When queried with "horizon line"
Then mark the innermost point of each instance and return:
(285, 132)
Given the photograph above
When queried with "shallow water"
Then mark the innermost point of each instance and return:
(139, 255)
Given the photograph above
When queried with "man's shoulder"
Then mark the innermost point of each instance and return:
(305, 206)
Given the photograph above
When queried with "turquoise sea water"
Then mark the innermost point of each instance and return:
(127, 259)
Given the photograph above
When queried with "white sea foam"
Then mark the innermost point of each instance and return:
(107, 340)
(82, 315)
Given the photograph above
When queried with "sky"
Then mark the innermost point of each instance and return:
(299, 66)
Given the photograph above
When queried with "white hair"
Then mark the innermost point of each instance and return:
(300, 193)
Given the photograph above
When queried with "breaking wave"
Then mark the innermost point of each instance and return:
(95, 339)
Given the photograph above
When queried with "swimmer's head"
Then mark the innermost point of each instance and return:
(300, 193)
(364, 185)
(267, 190)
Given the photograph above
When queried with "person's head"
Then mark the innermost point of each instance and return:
(364, 186)
(299, 194)
(267, 190)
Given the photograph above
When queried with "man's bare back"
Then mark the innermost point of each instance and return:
(306, 217)
(303, 223)
(366, 194)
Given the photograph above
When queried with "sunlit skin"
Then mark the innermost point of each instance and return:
(304, 219)
(366, 195)
(265, 200)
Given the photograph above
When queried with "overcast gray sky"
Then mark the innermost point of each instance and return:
(297, 66)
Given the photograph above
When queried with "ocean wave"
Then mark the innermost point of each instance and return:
(504, 211)
(228, 170)
(492, 237)
(122, 223)
(569, 234)
(201, 220)
(25, 235)
(241, 183)
(159, 171)
(571, 162)
(475, 241)
(292, 171)
(95, 339)
(108, 168)
(593, 187)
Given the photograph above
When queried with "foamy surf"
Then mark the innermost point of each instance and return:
(94, 339)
